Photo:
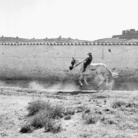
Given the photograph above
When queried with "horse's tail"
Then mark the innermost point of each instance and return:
(113, 74)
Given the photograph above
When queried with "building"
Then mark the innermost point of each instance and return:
(127, 34)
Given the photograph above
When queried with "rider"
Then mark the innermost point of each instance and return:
(87, 61)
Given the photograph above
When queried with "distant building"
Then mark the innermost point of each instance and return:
(127, 34)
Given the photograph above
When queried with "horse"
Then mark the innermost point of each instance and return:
(98, 69)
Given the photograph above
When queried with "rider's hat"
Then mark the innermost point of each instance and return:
(89, 53)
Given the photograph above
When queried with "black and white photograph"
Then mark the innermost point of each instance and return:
(68, 69)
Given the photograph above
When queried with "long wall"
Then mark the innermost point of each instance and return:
(42, 61)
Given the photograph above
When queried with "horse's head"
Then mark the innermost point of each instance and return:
(73, 63)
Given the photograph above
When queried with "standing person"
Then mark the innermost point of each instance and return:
(87, 61)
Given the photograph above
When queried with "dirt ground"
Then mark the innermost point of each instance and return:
(116, 122)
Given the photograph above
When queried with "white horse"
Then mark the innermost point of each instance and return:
(98, 69)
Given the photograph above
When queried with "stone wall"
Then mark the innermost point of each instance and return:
(42, 61)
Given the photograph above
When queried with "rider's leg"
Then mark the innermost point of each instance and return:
(84, 66)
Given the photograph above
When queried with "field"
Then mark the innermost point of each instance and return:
(103, 114)
(86, 113)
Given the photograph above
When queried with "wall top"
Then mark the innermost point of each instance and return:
(79, 43)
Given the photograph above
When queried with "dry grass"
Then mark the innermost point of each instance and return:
(53, 127)
(69, 111)
(36, 106)
(90, 118)
(43, 114)
(57, 111)
(125, 105)
(118, 104)
(44, 119)
(99, 119)
(26, 129)
(41, 119)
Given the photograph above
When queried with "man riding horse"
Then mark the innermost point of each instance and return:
(87, 69)
(85, 63)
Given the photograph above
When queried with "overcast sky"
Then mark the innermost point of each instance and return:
(81, 19)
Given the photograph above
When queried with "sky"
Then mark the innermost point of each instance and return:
(77, 19)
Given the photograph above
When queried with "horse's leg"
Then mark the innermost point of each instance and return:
(80, 78)
(85, 80)
(102, 80)
(109, 82)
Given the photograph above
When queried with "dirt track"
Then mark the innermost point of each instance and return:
(119, 122)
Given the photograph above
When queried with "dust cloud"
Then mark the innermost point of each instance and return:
(40, 85)
(53, 87)
(122, 83)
